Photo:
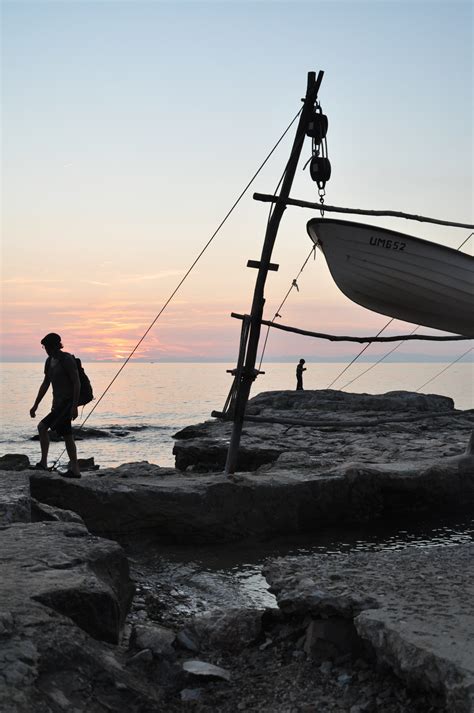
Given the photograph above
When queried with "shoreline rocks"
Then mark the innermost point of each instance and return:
(412, 608)
(65, 592)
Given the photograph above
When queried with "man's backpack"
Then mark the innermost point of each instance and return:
(85, 393)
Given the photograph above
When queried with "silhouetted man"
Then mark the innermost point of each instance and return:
(60, 370)
(299, 375)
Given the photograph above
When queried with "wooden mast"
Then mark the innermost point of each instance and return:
(248, 372)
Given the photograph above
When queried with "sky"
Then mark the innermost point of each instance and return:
(130, 128)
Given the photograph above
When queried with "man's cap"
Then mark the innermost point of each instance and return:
(52, 339)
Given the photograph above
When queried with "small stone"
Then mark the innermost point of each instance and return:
(191, 694)
(344, 679)
(326, 667)
(144, 656)
(187, 642)
(202, 668)
(158, 639)
(298, 654)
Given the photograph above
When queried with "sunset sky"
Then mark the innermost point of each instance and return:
(129, 129)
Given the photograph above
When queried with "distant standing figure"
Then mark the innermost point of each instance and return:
(299, 375)
(60, 370)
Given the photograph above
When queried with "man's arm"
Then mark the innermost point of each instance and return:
(72, 372)
(42, 390)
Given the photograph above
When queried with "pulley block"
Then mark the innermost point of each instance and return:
(317, 127)
(320, 170)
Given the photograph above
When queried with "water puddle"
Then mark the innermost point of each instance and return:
(192, 579)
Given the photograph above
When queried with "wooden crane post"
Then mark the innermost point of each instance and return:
(248, 372)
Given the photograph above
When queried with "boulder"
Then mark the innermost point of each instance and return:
(68, 570)
(63, 596)
(14, 461)
(226, 629)
(15, 505)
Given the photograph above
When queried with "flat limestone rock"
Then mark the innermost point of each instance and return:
(276, 501)
(414, 607)
(63, 596)
(323, 428)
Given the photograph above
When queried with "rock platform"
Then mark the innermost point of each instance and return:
(318, 430)
(213, 508)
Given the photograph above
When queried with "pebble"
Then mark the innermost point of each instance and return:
(344, 679)
(326, 667)
(191, 694)
(143, 656)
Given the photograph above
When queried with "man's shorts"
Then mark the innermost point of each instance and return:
(59, 419)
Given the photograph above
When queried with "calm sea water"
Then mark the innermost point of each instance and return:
(148, 403)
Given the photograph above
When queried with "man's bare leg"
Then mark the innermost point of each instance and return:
(44, 443)
(72, 453)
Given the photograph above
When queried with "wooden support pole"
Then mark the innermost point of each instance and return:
(268, 198)
(359, 340)
(248, 371)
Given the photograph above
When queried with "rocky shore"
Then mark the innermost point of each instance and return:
(351, 633)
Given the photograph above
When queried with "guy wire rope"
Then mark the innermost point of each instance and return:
(378, 361)
(445, 369)
(188, 272)
(294, 283)
(385, 355)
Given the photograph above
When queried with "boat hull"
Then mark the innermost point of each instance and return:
(399, 275)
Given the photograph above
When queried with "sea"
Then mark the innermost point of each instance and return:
(149, 402)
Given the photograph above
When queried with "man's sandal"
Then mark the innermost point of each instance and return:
(70, 474)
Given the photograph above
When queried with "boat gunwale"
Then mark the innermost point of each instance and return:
(352, 223)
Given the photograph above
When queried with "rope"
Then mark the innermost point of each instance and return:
(186, 275)
(445, 369)
(294, 283)
(377, 362)
(358, 355)
(465, 241)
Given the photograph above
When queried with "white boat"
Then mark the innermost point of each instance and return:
(398, 275)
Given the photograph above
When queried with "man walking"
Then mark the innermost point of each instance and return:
(299, 375)
(60, 370)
